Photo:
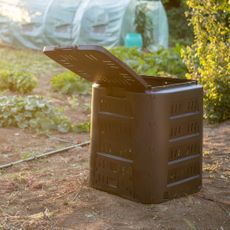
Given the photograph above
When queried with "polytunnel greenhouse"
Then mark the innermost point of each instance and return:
(34, 24)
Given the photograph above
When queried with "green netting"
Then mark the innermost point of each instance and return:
(35, 24)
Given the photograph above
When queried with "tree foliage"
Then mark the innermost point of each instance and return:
(208, 58)
(179, 30)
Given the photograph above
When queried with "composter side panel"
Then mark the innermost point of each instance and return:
(111, 167)
(123, 144)
(180, 132)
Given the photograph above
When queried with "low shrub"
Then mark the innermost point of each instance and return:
(32, 112)
(162, 62)
(70, 83)
(208, 57)
(21, 82)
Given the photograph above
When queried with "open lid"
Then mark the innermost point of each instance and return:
(96, 64)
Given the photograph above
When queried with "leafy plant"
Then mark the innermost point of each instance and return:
(33, 112)
(162, 62)
(70, 83)
(83, 127)
(208, 58)
(22, 82)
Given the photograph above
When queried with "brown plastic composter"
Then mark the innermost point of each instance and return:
(146, 135)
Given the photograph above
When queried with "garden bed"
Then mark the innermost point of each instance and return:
(53, 193)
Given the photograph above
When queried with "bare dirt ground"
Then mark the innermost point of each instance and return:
(53, 193)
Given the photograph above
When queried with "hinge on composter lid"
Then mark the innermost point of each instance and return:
(97, 65)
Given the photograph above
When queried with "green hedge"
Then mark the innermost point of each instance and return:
(208, 58)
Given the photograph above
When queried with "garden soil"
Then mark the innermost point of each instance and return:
(54, 193)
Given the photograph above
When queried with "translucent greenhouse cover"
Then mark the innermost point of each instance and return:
(34, 24)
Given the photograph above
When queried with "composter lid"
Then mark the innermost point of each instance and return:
(97, 65)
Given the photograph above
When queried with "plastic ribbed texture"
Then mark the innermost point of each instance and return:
(96, 64)
(146, 145)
